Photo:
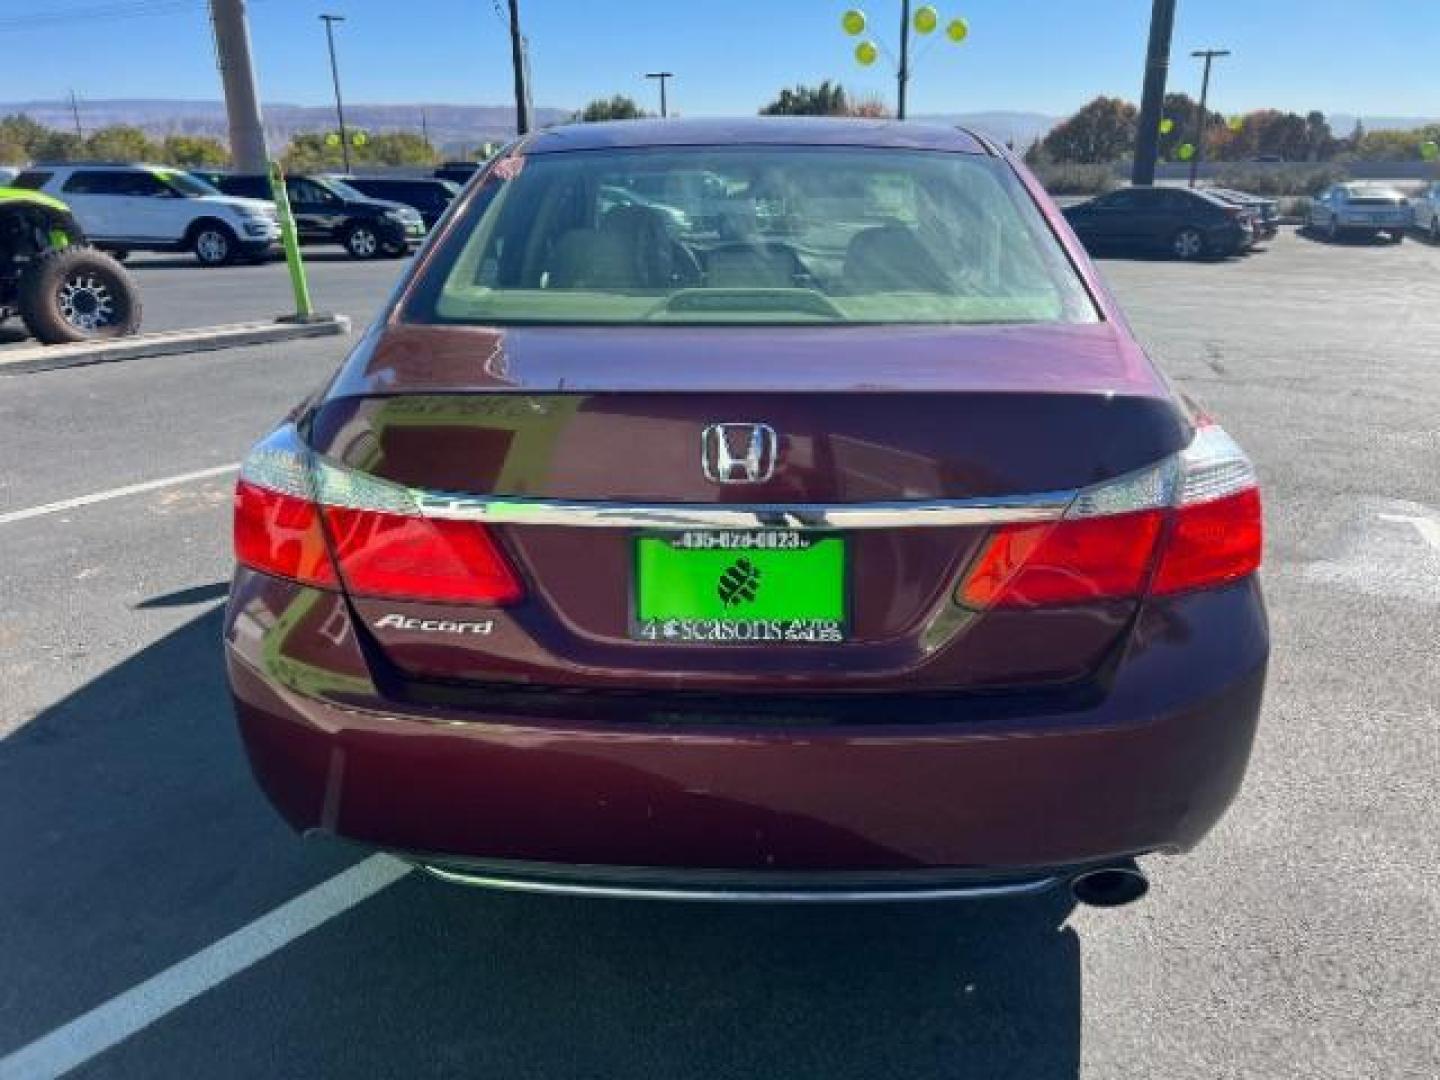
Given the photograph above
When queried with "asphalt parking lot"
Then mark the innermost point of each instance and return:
(177, 293)
(1302, 939)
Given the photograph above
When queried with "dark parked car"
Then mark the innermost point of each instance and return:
(856, 550)
(328, 211)
(428, 196)
(1266, 211)
(1175, 221)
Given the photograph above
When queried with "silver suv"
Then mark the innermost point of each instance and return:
(125, 208)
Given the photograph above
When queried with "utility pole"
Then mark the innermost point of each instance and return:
(662, 76)
(1209, 56)
(521, 64)
(75, 112)
(902, 74)
(1152, 104)
(237, 77)
(330, 21)
(424, 127)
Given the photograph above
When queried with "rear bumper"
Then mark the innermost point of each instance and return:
(972, 801)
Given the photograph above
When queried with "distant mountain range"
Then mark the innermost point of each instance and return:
(452, 128)
(461, 128)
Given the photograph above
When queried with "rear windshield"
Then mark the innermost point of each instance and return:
(752, 235)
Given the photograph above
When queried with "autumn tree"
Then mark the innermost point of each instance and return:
(1183, 112)
(1101, 132)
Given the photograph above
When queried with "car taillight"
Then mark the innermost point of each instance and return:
(307, 520)
(280, 534)
(1191, 522)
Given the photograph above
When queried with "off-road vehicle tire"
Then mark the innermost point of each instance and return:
(77, 294)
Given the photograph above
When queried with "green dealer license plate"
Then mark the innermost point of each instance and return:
(740, 587)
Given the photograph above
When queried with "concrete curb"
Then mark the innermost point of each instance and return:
(166, 343)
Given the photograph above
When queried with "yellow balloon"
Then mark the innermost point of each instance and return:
(332, 138)
(359, 138)
(853, 22)
(866, 53)
(1186, 152)
(1166, 126)
(926, 19)
(957, 30)
(1237, 123)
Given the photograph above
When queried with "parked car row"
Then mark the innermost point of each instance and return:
(1180, 222)
(223, 217)
(329, 211)
(1215, 222)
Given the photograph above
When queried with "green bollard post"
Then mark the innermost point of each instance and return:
(289, 240)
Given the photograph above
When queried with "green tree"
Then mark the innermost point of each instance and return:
(120, 142)
(193, 151)
(827, 99)
(310, 151)
(618, 107)
(1100, 133)
(319, 151)
(394, 148)
(1320, 141)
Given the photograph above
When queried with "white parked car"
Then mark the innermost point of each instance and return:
(1426, 209)
(1356, 208)
(125, 208)
(7, 174)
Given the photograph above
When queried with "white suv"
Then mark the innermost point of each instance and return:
(126, 208)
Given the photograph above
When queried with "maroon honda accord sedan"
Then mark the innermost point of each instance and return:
(769, 509)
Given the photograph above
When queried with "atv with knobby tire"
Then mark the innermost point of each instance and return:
(62, 289)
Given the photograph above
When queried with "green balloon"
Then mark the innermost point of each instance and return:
(1186, 152)
(1237, 123)
(332, 138)
(359, 139)
(957, 30)
(926, 19)
(1166, 126)
(853, 22)
(1430, 151)
(866, 53)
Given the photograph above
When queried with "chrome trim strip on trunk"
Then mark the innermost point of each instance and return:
(724, 894)
(1046, 506)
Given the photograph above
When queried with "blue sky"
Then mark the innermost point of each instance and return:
(1362, 56)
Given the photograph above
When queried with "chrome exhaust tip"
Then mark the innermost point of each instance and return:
(1110, 886)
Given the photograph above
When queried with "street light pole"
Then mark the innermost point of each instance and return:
(662, 76)
(75, 112)
(902, 74)
(1152, 103)
(1209, 56)
(330, 21)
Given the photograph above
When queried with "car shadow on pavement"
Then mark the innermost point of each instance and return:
(133, 836)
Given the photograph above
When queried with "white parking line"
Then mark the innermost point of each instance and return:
(114, 493)
(1428, 528)
(83, 1038)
